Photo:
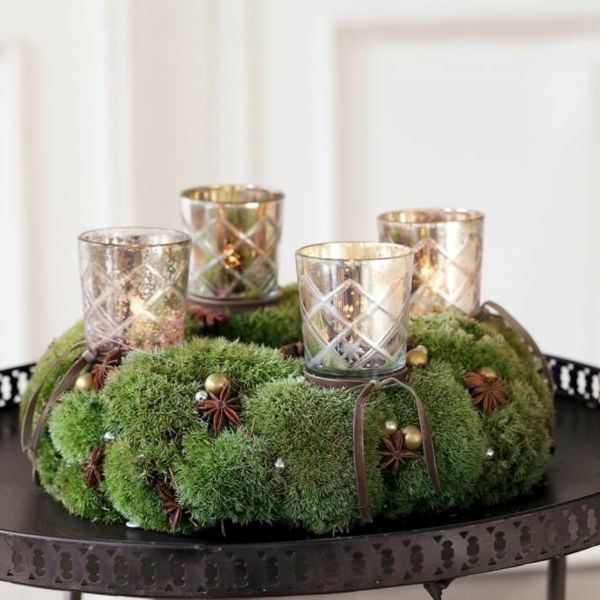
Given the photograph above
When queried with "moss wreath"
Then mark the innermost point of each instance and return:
(139, 450)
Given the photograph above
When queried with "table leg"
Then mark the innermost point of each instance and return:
(557, 577)
(436, 588)
(71, 595)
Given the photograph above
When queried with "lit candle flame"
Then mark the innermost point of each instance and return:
(432, 277)
(232, 257)
(137, 306)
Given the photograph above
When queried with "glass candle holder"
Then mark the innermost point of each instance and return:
(448, 248)
(235, 230)
(133, 283)
(354, 299)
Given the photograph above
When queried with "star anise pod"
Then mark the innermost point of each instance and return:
(294, 350)
(221, 407)
(486, 392)
(394, 455)
(93, 467)
(172, 507)
(108, 359)
(208, 318)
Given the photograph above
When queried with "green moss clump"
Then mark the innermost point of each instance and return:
(48, 463)
(66, 483)
(76, 425)
(466, 345)
(272, 326)
(519, 433)
(310, 428)
(227, 479)
(80, 499)
(521, 439)
(53, 364)
(458, 440)
(128, 489)
(157, 457)
(152, 395)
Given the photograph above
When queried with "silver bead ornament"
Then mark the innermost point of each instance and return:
(390, 426)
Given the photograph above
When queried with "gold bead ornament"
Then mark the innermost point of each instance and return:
(417, 357)
(84, 382)
(489, 373)
(215, 382)
(413, 438)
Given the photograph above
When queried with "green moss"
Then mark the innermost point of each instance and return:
(128, 488)
(152, 395)
(466, 348)
(458, 440)
(158, 456)
(521, 441)
(80, 499)
(48, 464)
(227, 479)
(76, 425)
(53, 364)
(66, 484)
(273, 326)
(148, 405)
(310, 428)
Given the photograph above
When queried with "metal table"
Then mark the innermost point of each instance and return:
(41, 545)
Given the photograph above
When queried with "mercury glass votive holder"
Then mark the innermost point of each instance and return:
(448, 244)
(354, 300)
(235, 231)
(133, 283)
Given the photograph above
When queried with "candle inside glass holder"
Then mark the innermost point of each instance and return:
(448, 249)
(354, 300)
(235, 230)
(133, 283)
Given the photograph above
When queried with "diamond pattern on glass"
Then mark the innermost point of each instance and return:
(139, 317)
(338, 337)
(234, 252)
(448, 250)
(444, 279)
(134, 295)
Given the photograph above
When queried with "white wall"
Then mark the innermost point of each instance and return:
(109, 107)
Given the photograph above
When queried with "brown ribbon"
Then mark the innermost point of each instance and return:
(27, 423)
(513, 324)
(360, 471)
(30, 442)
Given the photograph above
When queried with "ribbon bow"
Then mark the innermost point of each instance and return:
(359, 441)
(513, 324)
(30, 436)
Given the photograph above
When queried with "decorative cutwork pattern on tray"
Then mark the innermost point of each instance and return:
(343, 564)
(577, 380)
(12, 384)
